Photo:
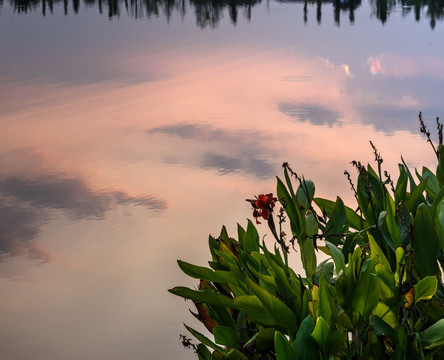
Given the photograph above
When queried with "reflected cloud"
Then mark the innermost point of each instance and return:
(225, 165)
(390, 119)
(403, 66)
(71, 194)
(315, 115)
(26, 200)
(343, 67)
(19, 226)
(225, 151)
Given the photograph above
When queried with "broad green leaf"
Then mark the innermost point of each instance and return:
(231, 261)
(321, 334)
(265, 340)
(253, 307)
(251, 238)
(216, 355)
(338, 257)
(401, 185)
(387, 313)
(225, 336)
(304, 344)
(426, 288)
(206, 296)
(222, 315)
(325, 305)
(391, 222)
(425, 243)
(199, 272)
(305, 193)
(366, 294)
(290, 289)
(291, 208)
(203, 353)
(308, 255)
(440, 225)
(337, 224)
(400, 343)
(400, 263)
(312, 224)
(288, 181)
(433, 185)
(409, 174)
(284, 349)
(241, 236)
(377, 253)
(436, 202)
(234, 354)
(386, 276)
(266, 278)
(433, 337)
(274, 307)
(415, 196)
(353, 219)
(204, 340)
(440, 168)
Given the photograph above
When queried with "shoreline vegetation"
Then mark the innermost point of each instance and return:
(378, 295)
(208, 13)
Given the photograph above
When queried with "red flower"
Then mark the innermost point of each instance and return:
(263, 206)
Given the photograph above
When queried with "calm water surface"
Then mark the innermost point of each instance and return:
(129, 133)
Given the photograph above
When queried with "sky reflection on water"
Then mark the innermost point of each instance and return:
(125, 143)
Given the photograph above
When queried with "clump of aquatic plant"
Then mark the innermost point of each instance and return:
(378, 295)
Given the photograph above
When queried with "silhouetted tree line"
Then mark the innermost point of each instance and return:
(209, 12)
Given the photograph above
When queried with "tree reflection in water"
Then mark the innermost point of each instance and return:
(209, 12)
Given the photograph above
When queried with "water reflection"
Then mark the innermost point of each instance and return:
(210, 12)
(223, 151)
(316, 115)
(207, 12)
(26, 200)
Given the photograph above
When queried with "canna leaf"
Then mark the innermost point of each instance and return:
(326, 305)
(425, 243)
(337, 224)
(377, 253)
(321, 334)
(253, 307)
(425, 288)
(432, 185)
(304, 344)
(291, 208)
(353, 219)
(284, 349)
(251, 238)
(440, 168)
(275, 308)
(366, 295)
(415, 196)
(433, 337)
(204, 340)
(338, 257)
(305, 193)
(401, 185)
(225, 336)
(391, 222)
(199, 272)
(206, 296)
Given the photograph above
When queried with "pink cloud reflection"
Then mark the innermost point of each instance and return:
(397, 65)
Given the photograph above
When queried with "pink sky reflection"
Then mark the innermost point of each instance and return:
(127, 137)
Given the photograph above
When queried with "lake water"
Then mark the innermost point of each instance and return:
(132, 130)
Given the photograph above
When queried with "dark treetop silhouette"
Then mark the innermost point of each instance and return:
(209, 12)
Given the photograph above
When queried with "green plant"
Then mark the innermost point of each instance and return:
(379, 294)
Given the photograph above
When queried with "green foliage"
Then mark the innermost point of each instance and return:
(379, 295)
